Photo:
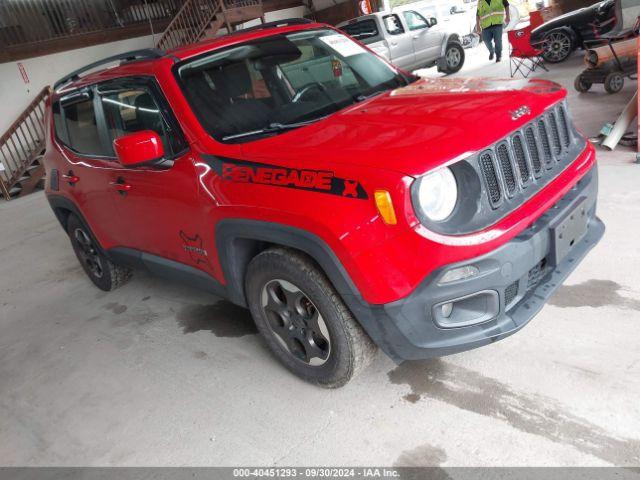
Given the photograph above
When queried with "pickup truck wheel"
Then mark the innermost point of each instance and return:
(558, 46)
(454, 57)
(303, 319)
(105, 274)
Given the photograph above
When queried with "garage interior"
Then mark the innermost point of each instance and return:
(159, 374)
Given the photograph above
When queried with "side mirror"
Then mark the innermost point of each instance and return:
(138, 148)
(433, 21)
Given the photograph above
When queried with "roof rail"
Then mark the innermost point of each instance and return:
(143, 54)
(287, 22)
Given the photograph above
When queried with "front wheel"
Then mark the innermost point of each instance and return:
(453, 58)
(303, 319)
(558, 46)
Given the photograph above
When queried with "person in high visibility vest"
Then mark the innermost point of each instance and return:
(490, 21)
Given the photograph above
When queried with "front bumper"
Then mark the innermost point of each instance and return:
(516, 280)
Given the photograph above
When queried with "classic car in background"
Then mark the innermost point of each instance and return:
(564, 34)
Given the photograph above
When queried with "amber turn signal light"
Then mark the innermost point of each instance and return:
(385, 207)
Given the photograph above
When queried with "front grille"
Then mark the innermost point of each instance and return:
(510, 293)
(542, 143)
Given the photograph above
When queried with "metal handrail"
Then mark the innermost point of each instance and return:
(195, 17)
(190, 23)
(23, 142)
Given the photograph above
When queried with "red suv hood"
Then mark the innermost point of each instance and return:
(415, 128)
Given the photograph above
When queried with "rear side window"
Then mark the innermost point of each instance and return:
(78, 129)
(362, 30)
(393, 25)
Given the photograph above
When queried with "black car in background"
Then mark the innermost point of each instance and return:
(567, 32)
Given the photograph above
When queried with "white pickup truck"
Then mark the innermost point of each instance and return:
(408, 40)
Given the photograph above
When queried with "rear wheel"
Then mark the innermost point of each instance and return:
(581, 84)
(304, 321)
(613, 82)
(558, 46)
(453, 57)
(105, 274)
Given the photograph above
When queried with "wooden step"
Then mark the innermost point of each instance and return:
(32, 182)
(244, 14)
(214, 27)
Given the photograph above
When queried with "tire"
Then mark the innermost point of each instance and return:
(613, 82)
(581, 84)
(453, 58)
(303, 319)
(105, 274)
(559, 44)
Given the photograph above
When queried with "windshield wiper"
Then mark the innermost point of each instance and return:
(272, 128)
(362, 98)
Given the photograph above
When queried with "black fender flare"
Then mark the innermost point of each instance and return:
(234, 239)
(235, 243)
(59, 204)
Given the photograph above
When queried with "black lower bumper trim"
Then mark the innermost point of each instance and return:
(523, 273)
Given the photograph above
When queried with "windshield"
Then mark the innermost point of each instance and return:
(281, 82)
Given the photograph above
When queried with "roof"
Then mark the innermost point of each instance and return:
(145, 60)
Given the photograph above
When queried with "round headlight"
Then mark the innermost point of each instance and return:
(437, 194)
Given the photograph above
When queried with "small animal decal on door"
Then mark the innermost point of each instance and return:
(193, 245)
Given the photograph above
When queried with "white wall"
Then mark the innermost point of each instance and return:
(15, 95)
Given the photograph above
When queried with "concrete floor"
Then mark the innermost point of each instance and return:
(158, 374)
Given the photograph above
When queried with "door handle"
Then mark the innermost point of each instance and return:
(121, 186)
(415, 37)
(70, 178)
(394, 44)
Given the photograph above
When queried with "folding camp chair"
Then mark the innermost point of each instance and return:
(524, 57)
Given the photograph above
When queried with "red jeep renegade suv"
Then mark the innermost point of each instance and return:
(347, 204)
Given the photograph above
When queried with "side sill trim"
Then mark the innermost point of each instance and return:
(169, 269)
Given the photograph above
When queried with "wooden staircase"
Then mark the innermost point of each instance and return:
(21, 150)
(198, 19)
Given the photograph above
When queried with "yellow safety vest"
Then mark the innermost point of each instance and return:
(490, 13)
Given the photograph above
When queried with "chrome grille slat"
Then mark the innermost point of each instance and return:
(555, 134)
(491, 178)
(506, 168)
(564, 127)
(544, 138)
(534, 153)
(521, 159)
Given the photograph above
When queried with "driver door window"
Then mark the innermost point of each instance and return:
(415, 21)
(132, 110)
(426, 42)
